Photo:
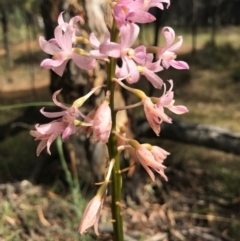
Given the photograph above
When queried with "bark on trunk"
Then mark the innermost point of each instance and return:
(4, 21)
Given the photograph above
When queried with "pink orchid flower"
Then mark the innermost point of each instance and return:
(128, 35)
(47, 133)
(147, 4)
(68, 115)
(128, 11)
(64, 126)
(149, 69)
(95, 43)
(154, 115)
(61, 49)
(159, 153)
(167, 55)
(167, 101)
(102, 123)
(72, 23)
(91, 214)
(147, 159)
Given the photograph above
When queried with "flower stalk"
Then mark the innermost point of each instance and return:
(112, 149)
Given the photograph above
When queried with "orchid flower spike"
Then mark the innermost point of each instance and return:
(72, 23)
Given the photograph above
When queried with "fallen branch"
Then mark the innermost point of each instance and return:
(197, 134)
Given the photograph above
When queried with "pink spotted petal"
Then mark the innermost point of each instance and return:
(51, 139)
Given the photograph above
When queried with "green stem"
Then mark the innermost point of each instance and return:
(73, 184)
(112, 149)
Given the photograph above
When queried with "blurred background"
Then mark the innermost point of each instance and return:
(42, 198)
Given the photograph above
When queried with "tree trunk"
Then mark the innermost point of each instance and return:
(4, 21)
(194, 26)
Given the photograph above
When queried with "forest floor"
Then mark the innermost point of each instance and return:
(201, 200)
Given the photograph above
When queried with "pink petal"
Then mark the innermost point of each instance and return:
(90, 216)
(154, 79)
(110, 49)
(178, 109)
(142, 16)
(48, 47)
(177, 45)
(140, 54)
(41, 146)
(60, 69)
(49, 63)
(56, 102)
(75, 19)
(94, 41)
(134, 73)
(52, 114)
(169, 35)
(166, 99)
(127, 39)
(64, 40)
(68, 131)
(60, 19)
(179, 64)
(83, 62)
